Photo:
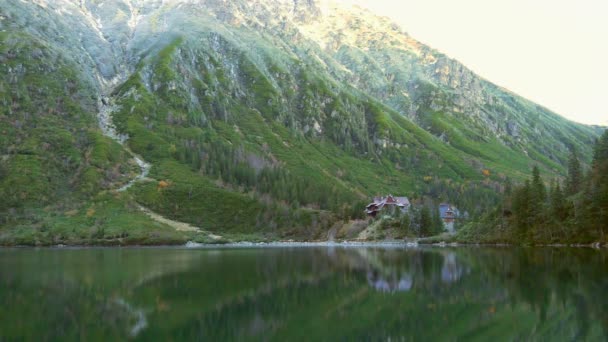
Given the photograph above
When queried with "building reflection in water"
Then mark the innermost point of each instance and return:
(402, 270)
(379, 283)
(451, 271)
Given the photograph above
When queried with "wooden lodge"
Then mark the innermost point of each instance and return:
(388, 203)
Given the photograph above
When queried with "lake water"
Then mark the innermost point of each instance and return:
(304, 293)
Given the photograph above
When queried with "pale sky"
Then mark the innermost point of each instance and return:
(553, 52)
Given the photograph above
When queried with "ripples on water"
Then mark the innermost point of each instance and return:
(322, 293)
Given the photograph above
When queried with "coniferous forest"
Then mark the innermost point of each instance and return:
(546, 211)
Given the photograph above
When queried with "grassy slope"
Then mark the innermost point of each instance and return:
(464, 108)
(164, 126)
(54, 161)
(322, 147)
(176, 111)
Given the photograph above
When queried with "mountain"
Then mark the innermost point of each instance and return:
(253, 118)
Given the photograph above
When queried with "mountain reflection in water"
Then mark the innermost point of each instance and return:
(321, 293)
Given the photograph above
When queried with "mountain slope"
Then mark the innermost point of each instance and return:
(269, 117)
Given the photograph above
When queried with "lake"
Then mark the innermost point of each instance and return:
(304, 293)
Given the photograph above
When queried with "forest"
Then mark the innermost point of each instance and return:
(541, 211)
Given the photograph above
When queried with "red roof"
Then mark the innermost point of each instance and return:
(380, 202)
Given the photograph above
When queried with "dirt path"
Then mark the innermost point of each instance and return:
(106, 109)
(179, 226)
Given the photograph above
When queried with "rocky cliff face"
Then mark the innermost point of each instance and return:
(278, 104)
(350, 44)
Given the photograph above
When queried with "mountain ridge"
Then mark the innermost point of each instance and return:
(239, 110)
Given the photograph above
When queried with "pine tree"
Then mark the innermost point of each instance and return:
(521, 207)
(426, 221)
(437, 222)
(538, 195)
(575, 174)
(558, 203)
(599, 187)
(559, 216)
(600, 151)
(539, 192)
(405, 223)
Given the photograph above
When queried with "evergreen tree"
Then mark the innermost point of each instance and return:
(575, 174)
(521, 207)
(559, 216)
(598, 209)
(600, 151)
(405, 223)
(437, 222)
(539, 192)
(558, 202)
(538, 195)
(426, 221)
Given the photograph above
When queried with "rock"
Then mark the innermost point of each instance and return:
(36, 53)
(512, 129)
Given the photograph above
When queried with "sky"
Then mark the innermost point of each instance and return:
(553, 52)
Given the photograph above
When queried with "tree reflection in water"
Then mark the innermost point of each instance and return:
(304, 294)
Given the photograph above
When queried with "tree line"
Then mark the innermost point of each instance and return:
(253, 173)
(574, 210)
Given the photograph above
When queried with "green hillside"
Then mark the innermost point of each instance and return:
(254, 128)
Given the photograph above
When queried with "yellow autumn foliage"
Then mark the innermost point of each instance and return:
(163, 184)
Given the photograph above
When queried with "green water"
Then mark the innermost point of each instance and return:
(312, 294)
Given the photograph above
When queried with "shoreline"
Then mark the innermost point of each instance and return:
(305, 244)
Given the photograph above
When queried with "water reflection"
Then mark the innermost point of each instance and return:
(452, 271)
(402, 284)
(398, 270)
(304, 294)
(139, 314)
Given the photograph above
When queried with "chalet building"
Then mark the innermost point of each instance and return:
(389, 204)
(448, 214)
